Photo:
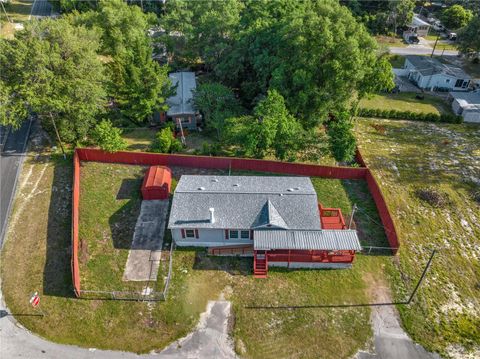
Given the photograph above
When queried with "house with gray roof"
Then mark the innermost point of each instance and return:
(180, 106)
(274, 218)
(430, 74)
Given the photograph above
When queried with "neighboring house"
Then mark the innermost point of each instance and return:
(430, 74)
(181, 109)
(418, 26)
(277, 219)
(467, 104)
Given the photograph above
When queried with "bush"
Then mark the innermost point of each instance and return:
(433, 197)
(409, 115)
(165, 142)
(108, 137)
(341, 139)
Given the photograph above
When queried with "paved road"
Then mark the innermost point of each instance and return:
(11, 159)
(420, 50)
(40, 8)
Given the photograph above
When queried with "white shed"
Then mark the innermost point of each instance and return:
(467, 104)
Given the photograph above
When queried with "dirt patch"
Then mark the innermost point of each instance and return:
(433, 197)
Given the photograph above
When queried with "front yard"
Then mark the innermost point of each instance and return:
(430, 177)
(40, 254)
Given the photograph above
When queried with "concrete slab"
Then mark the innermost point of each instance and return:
(144, 256)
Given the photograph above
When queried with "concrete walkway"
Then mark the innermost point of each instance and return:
(144, 256)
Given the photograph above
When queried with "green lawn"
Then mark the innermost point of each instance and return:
(40, 254)
(397, 61)
(406, 101)
(410, 156)
(390, 41)
(139, 139)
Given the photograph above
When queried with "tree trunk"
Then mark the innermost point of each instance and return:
(58, 135)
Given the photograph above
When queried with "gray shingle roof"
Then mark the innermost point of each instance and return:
(429, 66)
(182, 101)
(242, 202)
(307, 240)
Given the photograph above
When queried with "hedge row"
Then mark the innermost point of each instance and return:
(409, 115)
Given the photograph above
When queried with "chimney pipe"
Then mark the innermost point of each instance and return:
(212, 215)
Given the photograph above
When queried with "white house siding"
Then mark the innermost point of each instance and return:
(207, 238)
(472, 116)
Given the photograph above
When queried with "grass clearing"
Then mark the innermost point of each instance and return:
(408, 156)
(390, 41)
(407, 101)
(139, 139)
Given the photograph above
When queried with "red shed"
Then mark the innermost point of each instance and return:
(157, 183)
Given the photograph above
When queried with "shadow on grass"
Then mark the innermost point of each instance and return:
(57, 276)
(233, 265)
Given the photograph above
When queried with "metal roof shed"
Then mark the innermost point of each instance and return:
(157, 183)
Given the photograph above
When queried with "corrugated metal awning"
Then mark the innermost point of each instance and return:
(345, 239)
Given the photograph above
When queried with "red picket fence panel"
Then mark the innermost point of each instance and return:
(75, 204)
(150, 159)
(383, 212)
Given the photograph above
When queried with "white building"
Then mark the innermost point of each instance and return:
(467, 104)
(418, 26)
(432, 75)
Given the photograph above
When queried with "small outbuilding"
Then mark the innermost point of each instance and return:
(157, 183)
(181, 109)
(467, 105)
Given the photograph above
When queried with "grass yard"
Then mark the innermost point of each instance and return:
(390, 41)
(407, 157)
(139, 139)
(406, 101)
(40, 253)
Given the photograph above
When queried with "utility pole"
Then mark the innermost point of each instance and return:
(435, 45)
(351, 216)
(3, 7)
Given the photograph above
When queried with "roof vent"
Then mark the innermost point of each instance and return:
(236, 185)
(214, 180)
(290, 190)
(201, 188)
(297, 188)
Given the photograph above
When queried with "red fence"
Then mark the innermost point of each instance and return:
(141, 158)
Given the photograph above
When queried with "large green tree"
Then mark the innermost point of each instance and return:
(271, 129)
(137, 85)
(52, 68)
(314, 53)
(401, 13)
(217, 103)
(207, 27)
(469, 38)
(456, 17)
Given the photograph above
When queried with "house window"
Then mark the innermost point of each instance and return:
(233, 234)
(189, 233)
(447, 81)
(245, 234)
(459, 83)
(465, 84)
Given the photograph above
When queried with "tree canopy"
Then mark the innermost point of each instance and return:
(469, 38)
(315, 54)
(108, 137)
(456, 16)
(52, 68)
(271, 129)
(217, 103)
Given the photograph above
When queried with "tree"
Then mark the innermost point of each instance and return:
(315, 54)
(108, 137)
(217, 103)
(165, 142)
(207, 27)
(52, 69)
(469, 38)
(137, 84)
(76, 5)
(401, 13)
(341, 138)
(271, 129)
(456, 17)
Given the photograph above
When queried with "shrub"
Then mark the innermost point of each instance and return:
(408, 115)
(165, 142)
(108, 137)
(341, 138)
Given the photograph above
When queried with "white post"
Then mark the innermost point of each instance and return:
(212, 215)
(351, 216)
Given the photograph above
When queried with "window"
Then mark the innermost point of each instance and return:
(459, 83)
(245, 234)
(465, 84)
(447, 81)
(233, 234)
(189, 233)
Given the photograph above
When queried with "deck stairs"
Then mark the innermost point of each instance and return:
(260, 264)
